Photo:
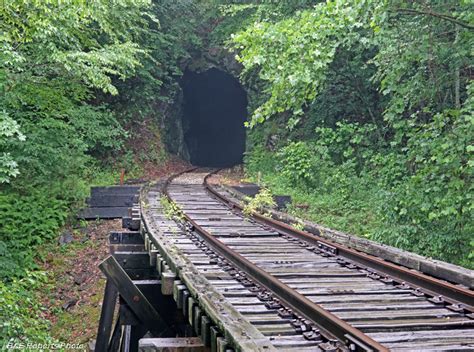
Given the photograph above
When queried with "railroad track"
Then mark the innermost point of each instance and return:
(266, 286)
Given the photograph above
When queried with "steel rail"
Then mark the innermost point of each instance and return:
(326, 321)
(450, 293)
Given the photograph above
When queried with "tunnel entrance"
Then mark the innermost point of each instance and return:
(215, 109)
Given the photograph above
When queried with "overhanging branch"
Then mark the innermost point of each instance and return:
(437, 15)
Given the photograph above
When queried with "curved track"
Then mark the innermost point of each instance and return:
(304, 293)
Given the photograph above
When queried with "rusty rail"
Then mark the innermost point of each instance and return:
(333, 326)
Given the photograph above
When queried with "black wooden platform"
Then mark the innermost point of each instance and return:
(112, 202)
(250, 189)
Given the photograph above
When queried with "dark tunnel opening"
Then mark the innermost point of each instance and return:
(215, 109)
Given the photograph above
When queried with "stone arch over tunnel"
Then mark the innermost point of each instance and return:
(215, 109)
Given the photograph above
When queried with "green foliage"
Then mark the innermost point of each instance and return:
(293, 55)
(226, 20)
(333, 198)
(346, 142)
(298, 225)
(55, 59)
(259, 160)
(172, 210)
(9, 130)
(421, 59)
(434, 200)
(297, 162)
(21, 319)
(28, 220)
(55, 55)
(348, 93)
(262, 200)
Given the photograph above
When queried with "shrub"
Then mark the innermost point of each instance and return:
(259, 160)
(263, 199)
(296, 163)
(27, 221)
(20, 311)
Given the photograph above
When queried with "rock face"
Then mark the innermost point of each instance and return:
(216, 57)
(172, 127)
